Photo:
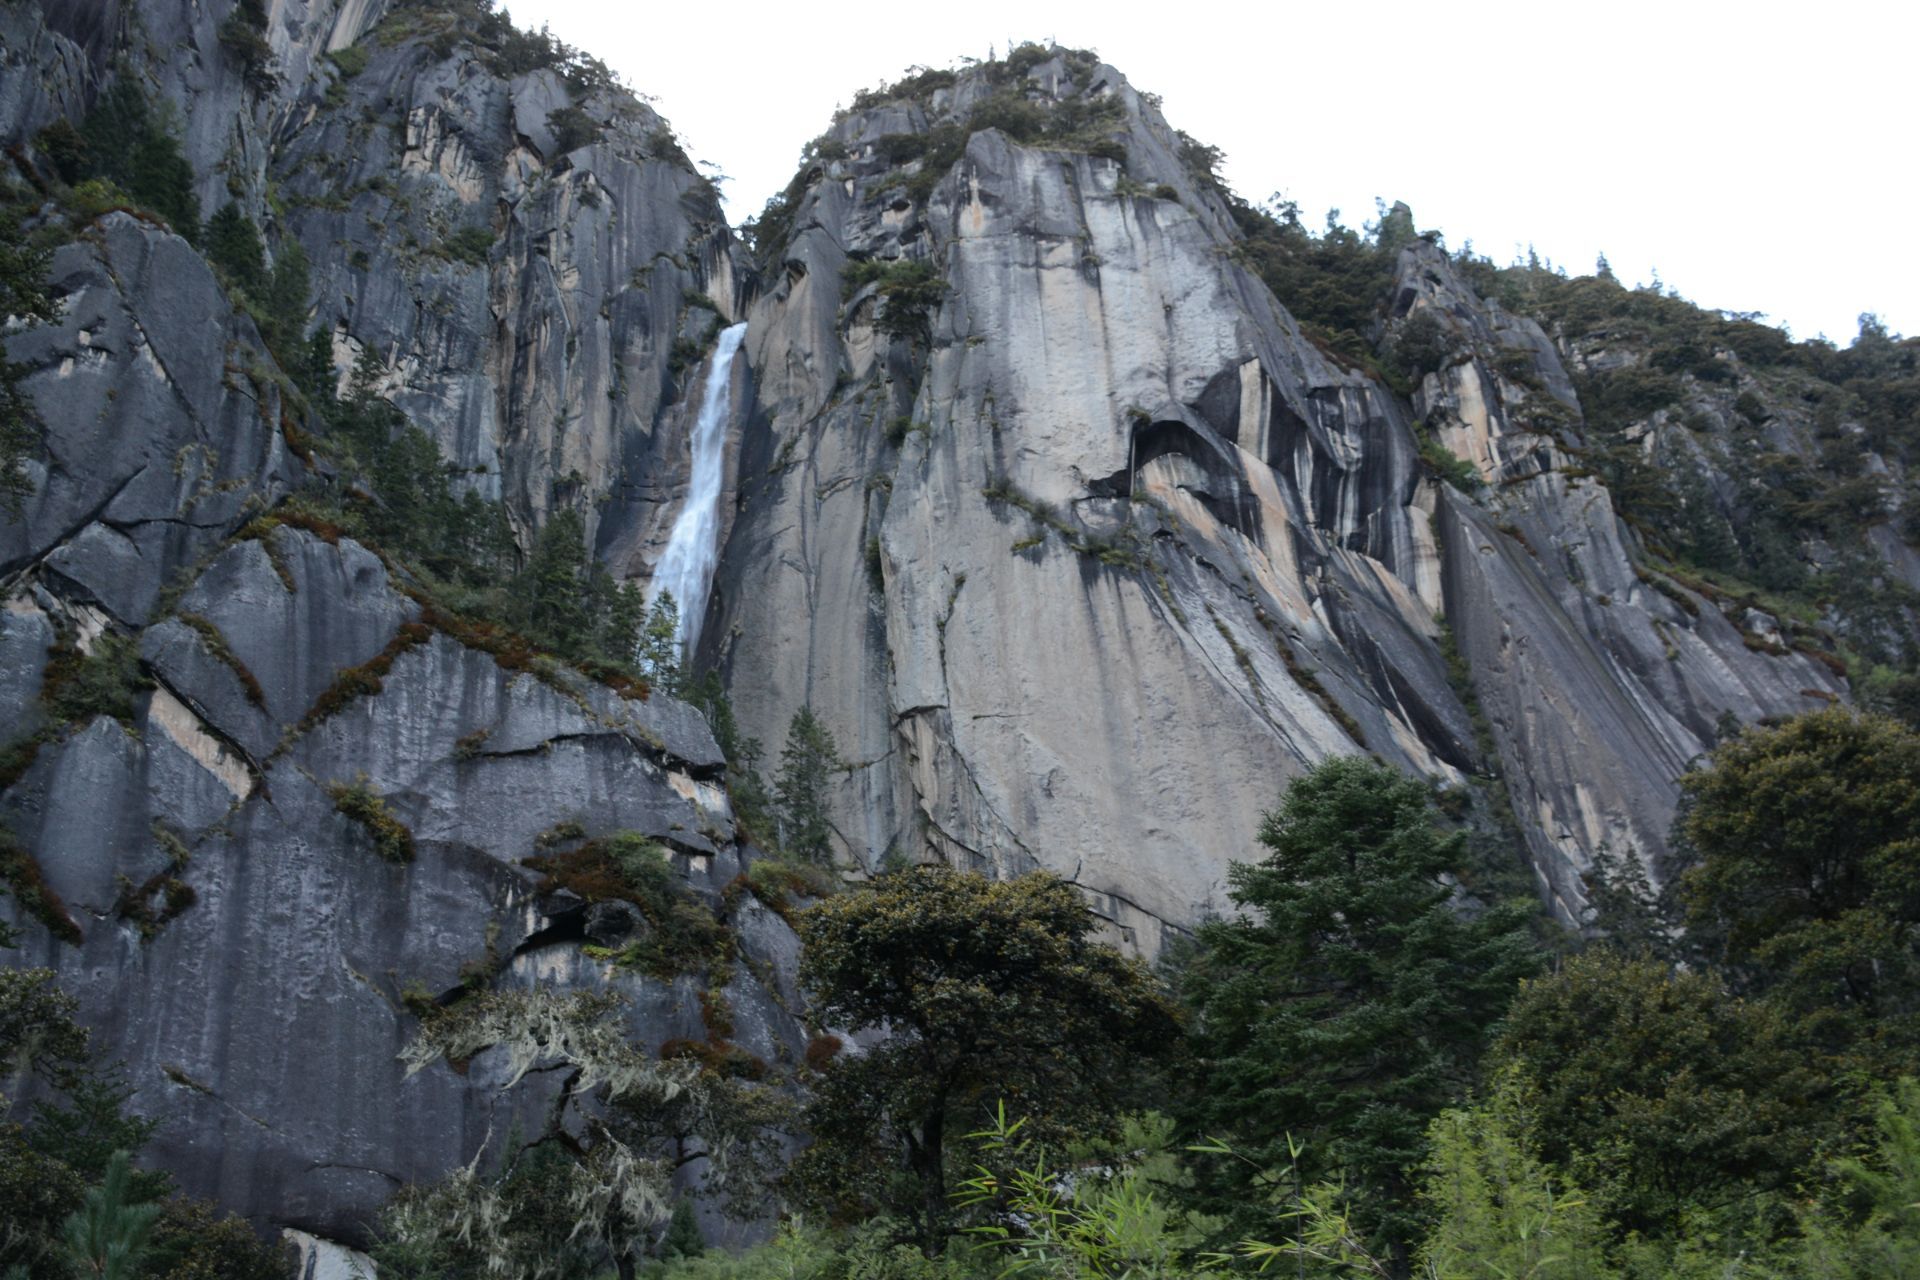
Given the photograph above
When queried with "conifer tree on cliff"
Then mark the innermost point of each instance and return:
(1348, 1006)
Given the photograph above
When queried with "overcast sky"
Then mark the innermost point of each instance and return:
(1759, 157)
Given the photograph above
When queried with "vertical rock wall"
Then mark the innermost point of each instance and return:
(1081, 579)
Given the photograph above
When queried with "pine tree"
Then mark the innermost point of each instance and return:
(807, 764)
(127, 144)
(556, 581)
(313, 370)
(1350, 1003)
(23, 293)
(659, 647)
(233, 243)
(285, 302)
(107, 1236)
(1808, 835)
(621, 628)
(683, 1238)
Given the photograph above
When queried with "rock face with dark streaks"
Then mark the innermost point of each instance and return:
(1085, 572)
(530, 266)
(263, 1020)
(1077, 540)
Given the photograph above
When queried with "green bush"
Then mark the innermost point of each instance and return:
(351, 60)
(572, 128)
(684, 936)
(360, 802)
(909, 289)
(471, 245)
(103, 682)
(1449, 466)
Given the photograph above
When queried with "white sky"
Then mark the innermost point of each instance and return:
(1759, 156)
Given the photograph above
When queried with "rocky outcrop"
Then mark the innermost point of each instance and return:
(533, 266)
(221, 841)
(226, 84)
(247, 951)
(162, 416)
(1082, 576)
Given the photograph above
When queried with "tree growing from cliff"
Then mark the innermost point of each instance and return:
(107, 1236)
(807, 765)
(23, 293)
(127, 142)
(233, 244)
(1349, 1005)
(557, 607)
(989, 990)
(659, 645)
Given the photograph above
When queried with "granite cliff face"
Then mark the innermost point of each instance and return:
(1085, 575)
(203, 866)
(1078, 541)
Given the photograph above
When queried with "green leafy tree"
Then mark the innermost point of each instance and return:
(807, 765)
(988, 990)
(193, 1241)
(38, 1193)
(1668, 1098)
(1349, 1004)
(1808, 880)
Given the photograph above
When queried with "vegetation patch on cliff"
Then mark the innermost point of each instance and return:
(682, 935)
(21, 873)
(359, 801)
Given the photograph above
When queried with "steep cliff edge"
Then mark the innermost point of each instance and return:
(1087, 547)
(268, 801)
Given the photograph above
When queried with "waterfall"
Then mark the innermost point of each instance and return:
(693, 548)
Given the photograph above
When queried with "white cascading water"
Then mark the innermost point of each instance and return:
(693, 547)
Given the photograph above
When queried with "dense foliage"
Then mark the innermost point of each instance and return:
(1349, 1003)
(1377, 1086)
(987, 990)
(23, 294)
(1807, 887)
